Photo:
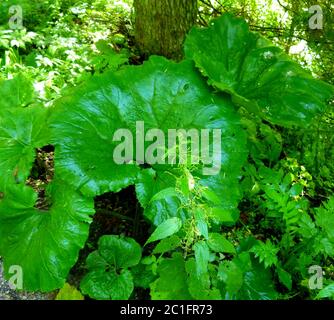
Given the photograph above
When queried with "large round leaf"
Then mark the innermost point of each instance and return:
(45, 244)
(258, 75)
(101, 285)
(107, 277)
(177, 97)
(120, 252)
(83, 126)
(161, 94)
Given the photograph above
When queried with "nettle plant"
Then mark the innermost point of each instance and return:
(227, 69)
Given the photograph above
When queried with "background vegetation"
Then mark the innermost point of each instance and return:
(65, 42)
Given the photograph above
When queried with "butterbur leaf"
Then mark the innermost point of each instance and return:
(101, 285)
(68, 292)
(21, 131)
(17, 92)
(168, 88)
(122, 252)
(108, 277)
(45, 244)
(83, 127)
(258, 75)
(165, 229)
(159, 94)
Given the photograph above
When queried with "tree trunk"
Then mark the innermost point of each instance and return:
(161, 26)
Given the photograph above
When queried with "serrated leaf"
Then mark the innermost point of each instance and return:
(258, 75)
(284, 277)
(167, 244)
(172, 281)
(218, 243)
(266, 252)
(223, 215)
(202, 257)
(325, 217)
(165, 229)
(327, 292)
(200, 287)
(201, 223)
(232, 276)
(168, 192)
(150, 183)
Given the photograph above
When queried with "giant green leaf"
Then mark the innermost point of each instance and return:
(163, 95)
(258, 75)
(21, 131)
(177, 98)
(45, 244)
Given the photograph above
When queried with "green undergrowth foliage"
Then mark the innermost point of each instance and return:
(249, 232)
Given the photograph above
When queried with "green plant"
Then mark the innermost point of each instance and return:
(195, 257)
(108, 276)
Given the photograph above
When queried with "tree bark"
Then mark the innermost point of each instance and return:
(161, 26)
